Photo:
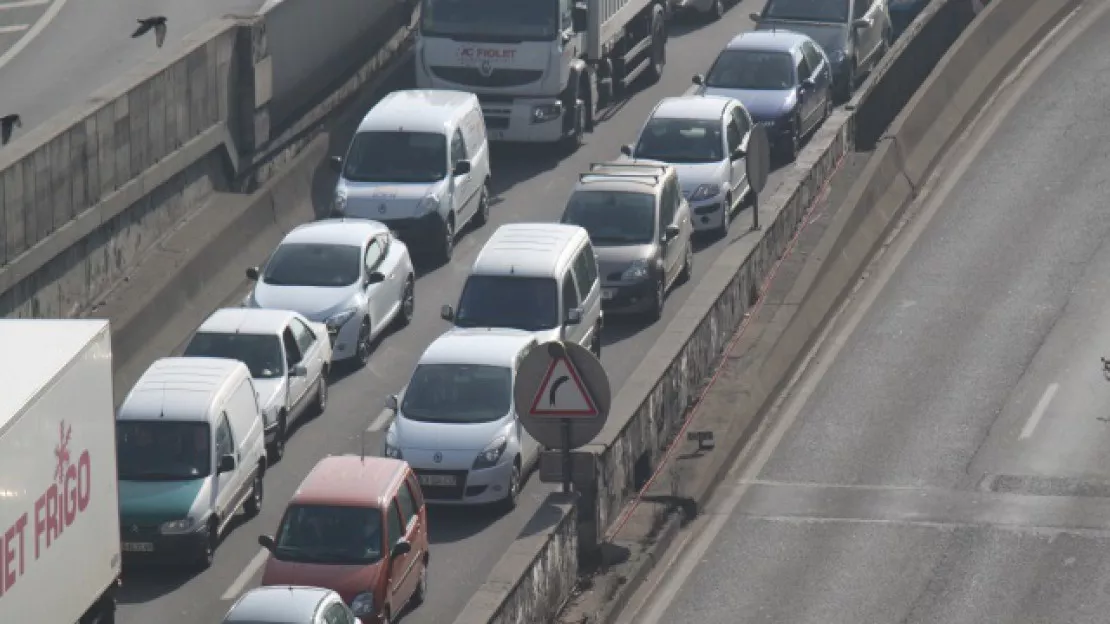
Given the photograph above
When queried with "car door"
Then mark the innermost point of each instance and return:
(869, 35)
(227, 483)
(668, 215)
(570, 301)
(807, 94)
(821, 75)
(298, 386)
(377, 295)
(462, 185)
(393, 269)
(738, 131)
(308, 343)
(399, 578)
(411, 529)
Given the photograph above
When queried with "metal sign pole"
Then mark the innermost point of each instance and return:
(566, 456)
(755, 212)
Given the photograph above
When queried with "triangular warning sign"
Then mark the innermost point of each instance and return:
(562, 393)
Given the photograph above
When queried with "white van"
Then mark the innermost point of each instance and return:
(190, 454)
(537, 277)
(419, 162)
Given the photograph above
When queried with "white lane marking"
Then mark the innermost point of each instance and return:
(47, 16)
(1038, 411)
(22, 4)
(245, 576)
(5, 30)
(382, 421)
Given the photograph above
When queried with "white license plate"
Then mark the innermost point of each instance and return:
(443, 480)
(137, 547)
(608, 293)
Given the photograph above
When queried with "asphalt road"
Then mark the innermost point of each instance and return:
(945, 457)
(71, 48)
(531, 185)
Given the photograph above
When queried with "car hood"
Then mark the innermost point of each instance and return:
(155, 502)
(270, 393)
(691, 176)
(423, 436)
(387, 201)
(346, 580)
(762, 105)
(833, 37)
(612, 261)
(315, 302)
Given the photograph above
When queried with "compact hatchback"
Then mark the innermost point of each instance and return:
(290, 605)
(357, 526)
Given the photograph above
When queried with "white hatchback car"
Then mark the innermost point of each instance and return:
(455, 421)
(705, 137)
(352, 275)
(287, 354)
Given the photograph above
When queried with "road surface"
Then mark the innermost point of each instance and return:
(531, 186)
(945, 458)
(55, 53)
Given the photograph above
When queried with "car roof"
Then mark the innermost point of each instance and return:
(277, 604)
(180, 388)
(628, 176)
(247, 321)
(482, 346)
(527, 249)
(691, 107)
(342, 231)
(416, 110)
(767, 41)
(350, 480)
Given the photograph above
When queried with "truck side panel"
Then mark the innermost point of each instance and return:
(612, 18)
(59, 523)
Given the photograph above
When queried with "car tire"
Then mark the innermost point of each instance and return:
(408, 303)
(447, 245)
(595, 343)
(320, 403)
(726, 219)
(481, 216)
(363, 347)
(717, 10)
(277, 447)
(655, 312)
(845, 88)
(512, 496)
(253, 505)
(687, 264)
(420, 595)
(207, 555)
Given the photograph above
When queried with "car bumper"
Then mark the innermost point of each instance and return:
(708, 214)
(468, 486)
(510, 120)
(628, 298)
(148, 545)
(344, 340)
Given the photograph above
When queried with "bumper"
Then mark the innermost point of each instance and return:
(778, 133)
(509, 120)
(708, 214)
(148, 545)
(454, 485)
(344, 341)
(628, 298)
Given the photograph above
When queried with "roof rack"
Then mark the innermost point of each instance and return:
(646, 180)
(631, 166)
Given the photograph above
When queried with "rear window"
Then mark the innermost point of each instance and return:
(808, 10)
(525, 303)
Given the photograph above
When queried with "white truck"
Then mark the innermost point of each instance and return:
(542, 69)
(59, 517)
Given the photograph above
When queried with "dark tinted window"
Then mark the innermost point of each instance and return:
(526, 303)
(583, 272)
(408, 505)
(163, 451)
(752, 69)
(330, 534)
(396, 157)
(570, 295)
(803, 69)
(417, 493)
(808, 10)
(458, 148)
(312, 264)
(395, 529)
(613, 217)
(458, 393)
(261, 353)
(681, 140)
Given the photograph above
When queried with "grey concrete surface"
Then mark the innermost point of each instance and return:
(531, 185)
(871, 506)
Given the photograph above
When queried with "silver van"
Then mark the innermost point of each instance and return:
(419, 163)
(536, 277)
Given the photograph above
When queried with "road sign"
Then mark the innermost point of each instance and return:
(758, 158)
(562, 393)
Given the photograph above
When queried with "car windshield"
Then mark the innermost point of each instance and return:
(260, 352)
(613, 217)
(330, 534)
(525, 303)
(396, 157)
(458, 393)
(681, 141)
(752, 69)
(808, 10)
(162, 451)
(314, 264)
(491, 21)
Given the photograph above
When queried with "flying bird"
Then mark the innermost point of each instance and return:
(7, 124)
(145, 25)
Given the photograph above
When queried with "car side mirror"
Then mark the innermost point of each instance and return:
(580, 17)
(335, 163)
(391, 402)
(862, 22)
(298, 370)
(462, 167)
(267, 542)
(755, 17)
(252, 274)
(574, 316)
(400, 549)
(375, 278)
(626, 150)
(698, 79)
(447, 313)
(227, 464)
(670, 233)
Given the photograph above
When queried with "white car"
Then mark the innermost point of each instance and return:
(287, 354)
(705, 137)
(455, 422)
(352, 275)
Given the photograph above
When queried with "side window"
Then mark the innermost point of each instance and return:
(803, 68)
(582, 273)
(292, 350)
(860, 8)
(417, 493)
(394, 528)
(735, 138)
(813, 56)
(670, 202)
(374, 255)
(743, 124)
(458, 147)
(570, 295)
(304, 335)
(566, 16)
(407, 504)
(225, 445)
(591, 263)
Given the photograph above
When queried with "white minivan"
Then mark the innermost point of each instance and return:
(190, 453)
(419, 162)
(536, 277)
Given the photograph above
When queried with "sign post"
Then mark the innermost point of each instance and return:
(758, 163)
(565, 395)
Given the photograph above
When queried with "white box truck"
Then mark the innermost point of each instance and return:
(59, 517)
(542, 69)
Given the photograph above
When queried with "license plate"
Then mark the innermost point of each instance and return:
(607, 293)
(442, 480)
(137, 547)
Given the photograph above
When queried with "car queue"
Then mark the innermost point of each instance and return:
(198, 432)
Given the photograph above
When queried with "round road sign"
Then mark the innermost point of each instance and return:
(557, 383)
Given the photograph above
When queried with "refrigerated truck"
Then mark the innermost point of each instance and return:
(542, 69)
(59, 522)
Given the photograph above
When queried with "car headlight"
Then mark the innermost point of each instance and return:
(705, 191)
(492, 453)
(428, 204)
(184, 525)
(363, 605)
(547, 112)
(336, 321)
(339, 204)
(638, 270)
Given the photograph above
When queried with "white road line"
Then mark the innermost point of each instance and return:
(47, 16)
(4, 30)
(381, 422)
(245, 576)
(1038, 411)
(22, 4)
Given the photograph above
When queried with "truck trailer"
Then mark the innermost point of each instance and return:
(59, 517)
(542, 69)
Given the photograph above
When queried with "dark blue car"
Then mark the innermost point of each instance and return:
(784, 80)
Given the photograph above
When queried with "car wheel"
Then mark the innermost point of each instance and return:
(447, 245)
(253, 505)
(656, 311)
(208, 550)
(408, 303)
(277, 447)
(658, 48)
(726, 218)
(687, 264)
(362, 349)
(321, 402)
(421, 593)
(482, 216)
(510, 500)
(717, 11)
